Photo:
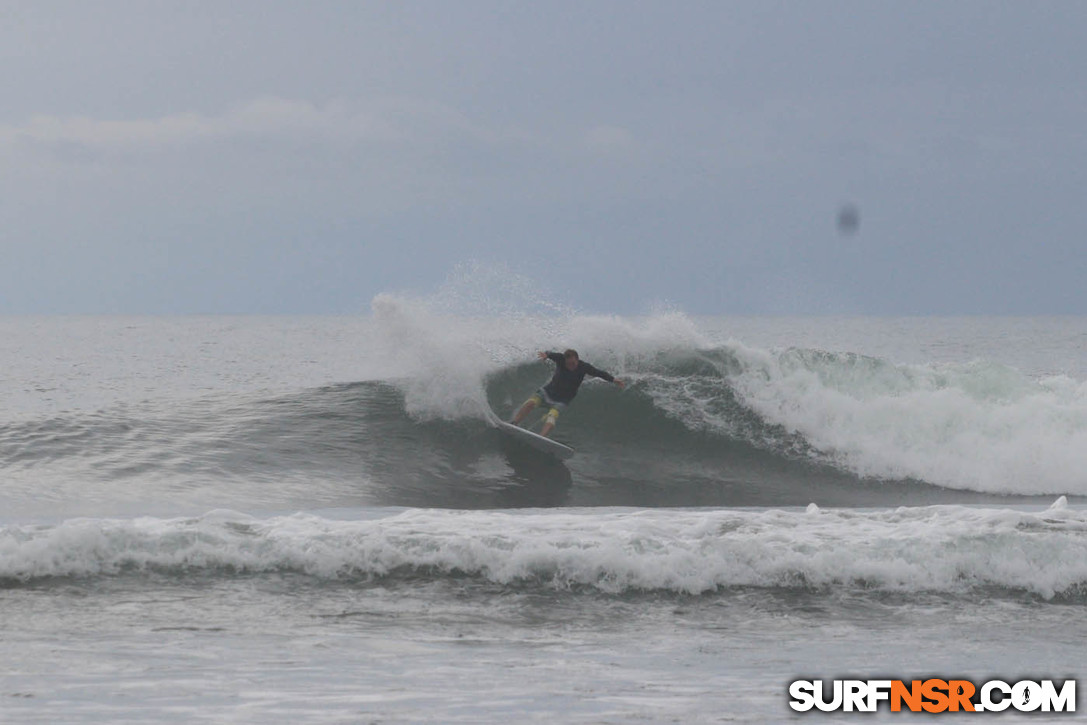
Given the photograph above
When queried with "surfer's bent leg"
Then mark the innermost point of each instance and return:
(551, 419)
(526, 408)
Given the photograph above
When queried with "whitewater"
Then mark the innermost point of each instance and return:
(311, 520)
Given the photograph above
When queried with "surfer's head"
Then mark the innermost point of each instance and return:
(571, 359)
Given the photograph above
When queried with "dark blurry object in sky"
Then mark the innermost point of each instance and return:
(849, 219)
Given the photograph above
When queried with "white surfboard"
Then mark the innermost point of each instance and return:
(540, 443)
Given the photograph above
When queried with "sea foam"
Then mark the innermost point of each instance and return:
(950, 549)
(979, 426)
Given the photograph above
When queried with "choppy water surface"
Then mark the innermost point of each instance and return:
(309, 520)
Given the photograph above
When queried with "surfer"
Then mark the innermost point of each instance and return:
(570, 371)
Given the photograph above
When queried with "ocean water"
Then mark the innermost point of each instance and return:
(308, 520)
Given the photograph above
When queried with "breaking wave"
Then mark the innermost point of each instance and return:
(946, 549)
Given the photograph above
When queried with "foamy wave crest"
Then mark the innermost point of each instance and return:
(979, 426)
(941, 548)
(482, 318)
(441, 373)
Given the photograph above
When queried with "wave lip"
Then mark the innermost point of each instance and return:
(949, 549)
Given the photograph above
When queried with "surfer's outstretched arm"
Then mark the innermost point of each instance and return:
(603, 375)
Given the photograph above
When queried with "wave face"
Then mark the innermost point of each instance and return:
(940, 549)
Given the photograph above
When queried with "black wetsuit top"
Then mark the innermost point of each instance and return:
(564, 384)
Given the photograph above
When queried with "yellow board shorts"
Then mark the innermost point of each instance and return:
(540, 397)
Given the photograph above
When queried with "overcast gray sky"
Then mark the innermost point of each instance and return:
(301, 157)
